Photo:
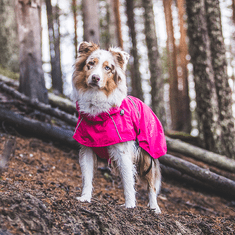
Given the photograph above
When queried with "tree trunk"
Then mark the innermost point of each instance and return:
(207, 102)
(113, 33)
(136, 83)
(233, 7)
(118, 22)
(172, 69)
(74, 9)
(185, 119)
(54, 41)
(9, 47)
(90, 21)
(219, 63)
(32, 81)
(156, 79)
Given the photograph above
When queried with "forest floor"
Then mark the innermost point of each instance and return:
(38, 191)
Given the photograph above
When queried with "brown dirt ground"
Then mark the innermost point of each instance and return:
(39, 187)
(38, 191)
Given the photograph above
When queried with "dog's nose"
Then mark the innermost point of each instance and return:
(95, 78)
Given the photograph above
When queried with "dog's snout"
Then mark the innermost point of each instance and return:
(95, 78)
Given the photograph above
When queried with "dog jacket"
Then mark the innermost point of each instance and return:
(133, 120)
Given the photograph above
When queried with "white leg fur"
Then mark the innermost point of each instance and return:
(153, 192)
(86, 161)
(123, 155)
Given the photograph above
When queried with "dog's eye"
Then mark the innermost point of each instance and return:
(91, 63)
(107, 68)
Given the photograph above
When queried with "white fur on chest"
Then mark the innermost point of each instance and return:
(94, 101)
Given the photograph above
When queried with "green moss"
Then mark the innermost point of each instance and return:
(9, 74)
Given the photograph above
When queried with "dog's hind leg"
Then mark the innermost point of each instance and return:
(122, 154)
(87, 162)
(152, 177)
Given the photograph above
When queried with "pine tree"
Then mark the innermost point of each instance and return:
(215, 126)
(156, 79)
(136, 83)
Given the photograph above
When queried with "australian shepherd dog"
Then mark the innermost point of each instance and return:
(99, 90)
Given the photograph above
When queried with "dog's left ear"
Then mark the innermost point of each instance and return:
(121, 57)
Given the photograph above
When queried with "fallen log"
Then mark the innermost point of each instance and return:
(62, 103)
(53, 133)
(197, 153)
(204, 175)
(68, 118)
(57, 101)
(38, 129)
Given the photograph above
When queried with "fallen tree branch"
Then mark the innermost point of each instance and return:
(204, 175)
(39, 129)
(71, 120)
(54, 100)
(214, 159)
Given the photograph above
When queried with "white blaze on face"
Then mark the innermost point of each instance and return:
(100, 68)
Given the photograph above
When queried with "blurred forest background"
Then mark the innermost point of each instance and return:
(182, 55)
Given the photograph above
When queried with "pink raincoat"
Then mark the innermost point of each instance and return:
(133, 120)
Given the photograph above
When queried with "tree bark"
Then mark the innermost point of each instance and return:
(32, 81)
(90, 21)
(74, 9)
(207, 102)
(204, 175)
(219, 63)
(200, 154)
(118, 22)
(172, 69)
(184, 100)
(9, 47)
(156, 79)
(54, 41)
(136, 83)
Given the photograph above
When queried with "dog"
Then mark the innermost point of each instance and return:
(113, 125)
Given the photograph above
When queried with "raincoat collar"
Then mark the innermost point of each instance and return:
(99, 118)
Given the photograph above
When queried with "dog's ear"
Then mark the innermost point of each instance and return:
(87, 48)
(121, 57)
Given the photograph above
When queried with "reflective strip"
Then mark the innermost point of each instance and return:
(115, 126)
(132, 101)
(78, 125)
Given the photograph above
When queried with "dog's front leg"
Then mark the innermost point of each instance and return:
(86, 161)
(122, 154)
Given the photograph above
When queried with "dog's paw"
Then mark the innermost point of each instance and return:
(157, 210)
(130, 204)
(83, 199)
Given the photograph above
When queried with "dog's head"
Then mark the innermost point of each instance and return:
(99, 70)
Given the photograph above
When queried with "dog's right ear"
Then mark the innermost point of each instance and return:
(86, 48)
